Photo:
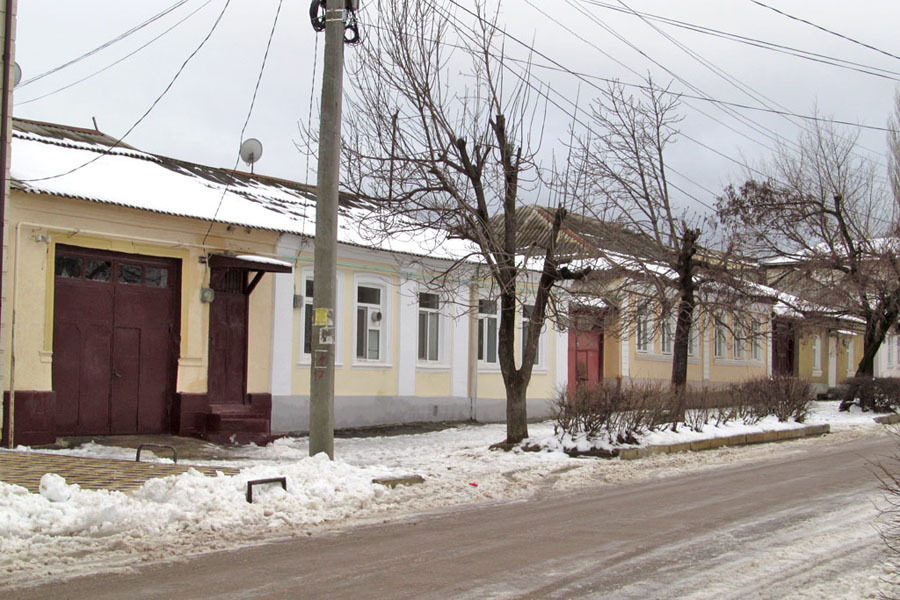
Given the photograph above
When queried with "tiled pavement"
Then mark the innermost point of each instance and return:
(27, 468)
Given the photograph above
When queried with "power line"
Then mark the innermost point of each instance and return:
(758, 43)
(109, 66)
(149, 110)
(574, 117)
(237, 159)
(104, 45)
(825, 29)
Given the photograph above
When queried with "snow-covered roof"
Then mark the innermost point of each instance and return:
(84, 164)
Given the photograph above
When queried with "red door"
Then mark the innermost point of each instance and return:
(585, 351)
(228, 315)
(115, 341)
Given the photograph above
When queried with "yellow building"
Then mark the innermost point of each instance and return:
(149, 295)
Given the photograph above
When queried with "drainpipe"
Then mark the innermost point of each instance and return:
(6, 118)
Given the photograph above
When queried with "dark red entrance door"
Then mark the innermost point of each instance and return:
(585, 350)
(228, 334)
(115, 341)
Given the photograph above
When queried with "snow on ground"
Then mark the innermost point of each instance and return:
(67, 531)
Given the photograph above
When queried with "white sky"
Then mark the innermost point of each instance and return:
(200, 119)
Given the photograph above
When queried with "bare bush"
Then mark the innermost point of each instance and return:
(784, 397)
(876, 394)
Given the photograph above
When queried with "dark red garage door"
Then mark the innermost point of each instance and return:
(115, 341)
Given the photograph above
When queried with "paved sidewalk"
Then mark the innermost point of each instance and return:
(27, 468)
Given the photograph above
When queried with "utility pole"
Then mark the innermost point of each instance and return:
(321, 386)
(8, 62)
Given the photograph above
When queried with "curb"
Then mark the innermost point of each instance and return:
(761, 437)
(888, 419)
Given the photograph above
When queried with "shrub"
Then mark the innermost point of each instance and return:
(618, 414)
(785, 397)
(881, 394)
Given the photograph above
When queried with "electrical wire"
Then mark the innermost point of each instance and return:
(259, 77)
(119, 141)
(574, 117)
(104, 45)
(825, 29)
(758, 43)
(109, 66)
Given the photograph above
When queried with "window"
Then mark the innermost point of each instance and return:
(756, 339)
(667, 335)
(739, 338)
(369, 320)
(817, 355)
(487, 331)
(68, 267)
(851, 360)
(719, 340)
(890, 345)
(644, 329)
(527, 309)
(429, 326)
(308, 289)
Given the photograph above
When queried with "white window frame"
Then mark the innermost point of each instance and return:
(851, 359)
(539, 353)
(667, 335)
(383, 326)
(432, 314)
(738, 338)
(817, 355)
(643, 338)
(484, 319)
(720, 339)
(756, 339)
(306, 274)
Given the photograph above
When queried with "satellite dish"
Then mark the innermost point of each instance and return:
(251, 150)
(16, 74)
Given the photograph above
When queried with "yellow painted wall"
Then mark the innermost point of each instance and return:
(38, 223)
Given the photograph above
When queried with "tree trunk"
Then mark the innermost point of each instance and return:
(516, 412)
(872, 340)
(685, 316)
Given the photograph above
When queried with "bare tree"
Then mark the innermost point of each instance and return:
(820, 219)
(439, 135)
(656, 259)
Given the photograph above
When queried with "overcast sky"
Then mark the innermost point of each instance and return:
(200, 118)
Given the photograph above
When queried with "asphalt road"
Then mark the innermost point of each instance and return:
(778, 527)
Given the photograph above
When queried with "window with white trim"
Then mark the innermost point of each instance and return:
(429, 326)
(667, 335)
(897, 342)
(307, 288)
(738, 338)
(720, 342)
(527, 309)
(851, 359)
(644, 332)
(488, 334)
(370, 324)
(890, 345)
(307, 314)
(817, 355)
(755, 339)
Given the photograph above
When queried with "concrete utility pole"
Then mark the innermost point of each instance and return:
(321, 386)
(8, 43)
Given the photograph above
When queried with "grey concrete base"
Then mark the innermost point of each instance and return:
(733, 440)
(291, 413)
